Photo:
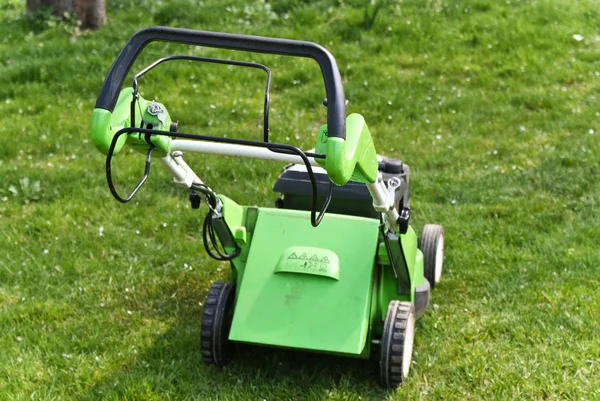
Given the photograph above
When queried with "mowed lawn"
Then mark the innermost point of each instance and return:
(495, 105)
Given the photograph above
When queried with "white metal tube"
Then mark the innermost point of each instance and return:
(177, 172)
(182, 173)
(379, 194)
(230, 149)
(383, 202)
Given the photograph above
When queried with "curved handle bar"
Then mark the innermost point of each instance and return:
(336, 109)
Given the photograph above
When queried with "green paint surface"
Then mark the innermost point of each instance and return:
(106, 124)
(281, 306)
(354, 158)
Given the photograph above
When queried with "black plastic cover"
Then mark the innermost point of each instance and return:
(353, 198)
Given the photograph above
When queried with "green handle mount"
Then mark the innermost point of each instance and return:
(352, 159)
(149, 114)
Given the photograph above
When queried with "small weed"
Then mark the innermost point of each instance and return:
(26, 191)
(372, 9)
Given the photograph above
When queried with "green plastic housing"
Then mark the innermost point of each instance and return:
(306, 287)
(106, 124)
(324, 289)
(354, 158)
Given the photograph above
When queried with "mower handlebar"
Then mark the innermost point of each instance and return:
(336, 108)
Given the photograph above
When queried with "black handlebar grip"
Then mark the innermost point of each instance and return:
(336, 109)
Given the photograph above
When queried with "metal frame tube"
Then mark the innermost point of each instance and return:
(383, 202)
(229, 149)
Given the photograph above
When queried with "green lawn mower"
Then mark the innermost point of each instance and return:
(347, 282)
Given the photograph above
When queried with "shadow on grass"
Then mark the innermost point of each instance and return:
(171, 367)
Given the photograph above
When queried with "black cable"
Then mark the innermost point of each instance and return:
(325, 205)
(386, 241)
(208, 235)
(208, 193)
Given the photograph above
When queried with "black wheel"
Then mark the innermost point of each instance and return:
(397, 343)
(215, 346)
(432, 246)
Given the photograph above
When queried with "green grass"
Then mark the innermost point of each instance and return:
(494, 105)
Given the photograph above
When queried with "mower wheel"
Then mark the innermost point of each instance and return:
(397, 343)
(215, 346)
(432, 246)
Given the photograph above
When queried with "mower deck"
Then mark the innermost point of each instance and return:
(306, 287)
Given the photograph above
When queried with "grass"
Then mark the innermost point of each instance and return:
(494, 105)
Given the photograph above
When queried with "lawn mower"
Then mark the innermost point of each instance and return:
(349, 282)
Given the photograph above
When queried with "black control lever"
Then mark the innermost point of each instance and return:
(111, 186)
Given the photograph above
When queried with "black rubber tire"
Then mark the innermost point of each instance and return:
(431, 246)
(397, 343)
(215, 347)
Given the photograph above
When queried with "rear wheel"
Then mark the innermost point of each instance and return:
(432, 246)
(215, 346)
(397, 343)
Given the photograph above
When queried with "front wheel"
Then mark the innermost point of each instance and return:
(215, 346)
(397, 343)
(432, 246)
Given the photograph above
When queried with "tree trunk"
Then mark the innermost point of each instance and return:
(92, 13)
